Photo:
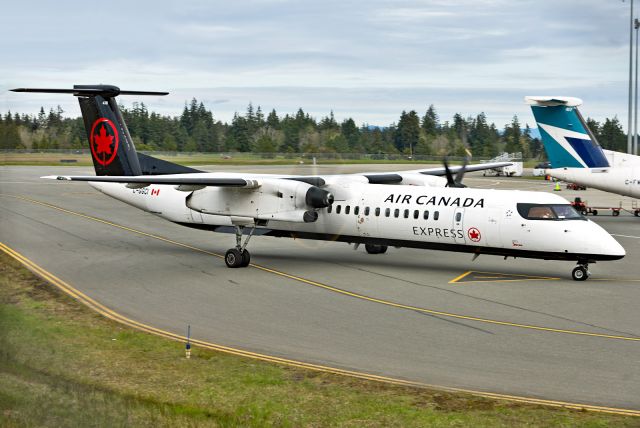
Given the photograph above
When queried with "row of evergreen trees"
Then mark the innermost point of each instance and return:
(196, 130)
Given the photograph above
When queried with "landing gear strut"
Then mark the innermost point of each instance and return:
(581, 272)
(239, 256)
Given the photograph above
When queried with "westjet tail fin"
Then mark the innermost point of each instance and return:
(566, 138)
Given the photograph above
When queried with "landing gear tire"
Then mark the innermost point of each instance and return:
(233, 258)
(375, 249)
(246, 258)
(239, 256)
(580, 273)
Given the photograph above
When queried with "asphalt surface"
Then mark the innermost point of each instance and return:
(397, 320)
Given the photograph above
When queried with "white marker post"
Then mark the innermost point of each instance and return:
(187, 348)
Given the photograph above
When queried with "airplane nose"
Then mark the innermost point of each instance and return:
(613, 247)
(608, 244)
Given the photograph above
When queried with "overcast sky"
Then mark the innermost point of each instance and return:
(363, 59)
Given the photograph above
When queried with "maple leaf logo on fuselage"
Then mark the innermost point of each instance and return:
(103, 141)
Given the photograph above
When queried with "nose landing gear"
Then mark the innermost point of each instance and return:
(581, 272)
(239, 256)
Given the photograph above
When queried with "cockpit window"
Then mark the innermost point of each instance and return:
(548, 212)
(566, 212)
(541, 212)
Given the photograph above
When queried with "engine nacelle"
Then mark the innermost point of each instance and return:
(274, 199)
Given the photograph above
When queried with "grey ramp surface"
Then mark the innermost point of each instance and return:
(169, 286)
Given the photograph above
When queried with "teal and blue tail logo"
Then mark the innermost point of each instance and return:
(565, 135)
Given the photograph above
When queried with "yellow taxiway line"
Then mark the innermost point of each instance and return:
(501, 277)
(115, 316)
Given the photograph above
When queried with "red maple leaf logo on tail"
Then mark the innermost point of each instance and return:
(103, 141)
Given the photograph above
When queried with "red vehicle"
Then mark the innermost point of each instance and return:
(574, 186)
(585, 209)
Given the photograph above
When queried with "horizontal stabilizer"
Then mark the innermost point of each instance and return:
(151, 179)
(548, 101)
(89, 90)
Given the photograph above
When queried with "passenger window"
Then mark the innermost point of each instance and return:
(458, 216)
(366, 210)
(406, 213)
(356, 210)
(387, 212)
(416, 214)
(338, 209)
(378, 212)
(347, 209)
(396, 213)
(426, 215)
(436, 215)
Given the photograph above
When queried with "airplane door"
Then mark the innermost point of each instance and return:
(458, 221)
(365, 220)
(493, 227)
(514, 229)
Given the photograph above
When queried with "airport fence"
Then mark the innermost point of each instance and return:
(248, 156)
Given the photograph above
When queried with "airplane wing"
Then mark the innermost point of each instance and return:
(251, 180)
(440, 171)
(397, 177)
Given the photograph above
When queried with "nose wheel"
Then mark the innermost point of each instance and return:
(239, 256)
(580, 272)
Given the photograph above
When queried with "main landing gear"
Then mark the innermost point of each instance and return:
(239, 256)
(581, 272)
(375, 249)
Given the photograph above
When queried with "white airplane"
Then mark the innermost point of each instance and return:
(574, 152)
(416, 209)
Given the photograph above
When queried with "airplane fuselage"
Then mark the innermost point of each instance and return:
(452, 219)
(624, 181)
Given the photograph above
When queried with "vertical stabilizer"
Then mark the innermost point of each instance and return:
(567, 139)
(112, 148)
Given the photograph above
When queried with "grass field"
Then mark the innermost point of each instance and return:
(63, 365)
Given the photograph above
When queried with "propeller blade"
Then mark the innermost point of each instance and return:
(461, 172)
(447, 172)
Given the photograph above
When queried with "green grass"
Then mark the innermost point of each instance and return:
(63, 365)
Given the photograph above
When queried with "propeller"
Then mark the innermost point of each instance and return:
(457, 181)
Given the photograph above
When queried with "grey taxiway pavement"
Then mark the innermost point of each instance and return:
(500, 329)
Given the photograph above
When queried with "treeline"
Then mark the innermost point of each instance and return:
(196, 130)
